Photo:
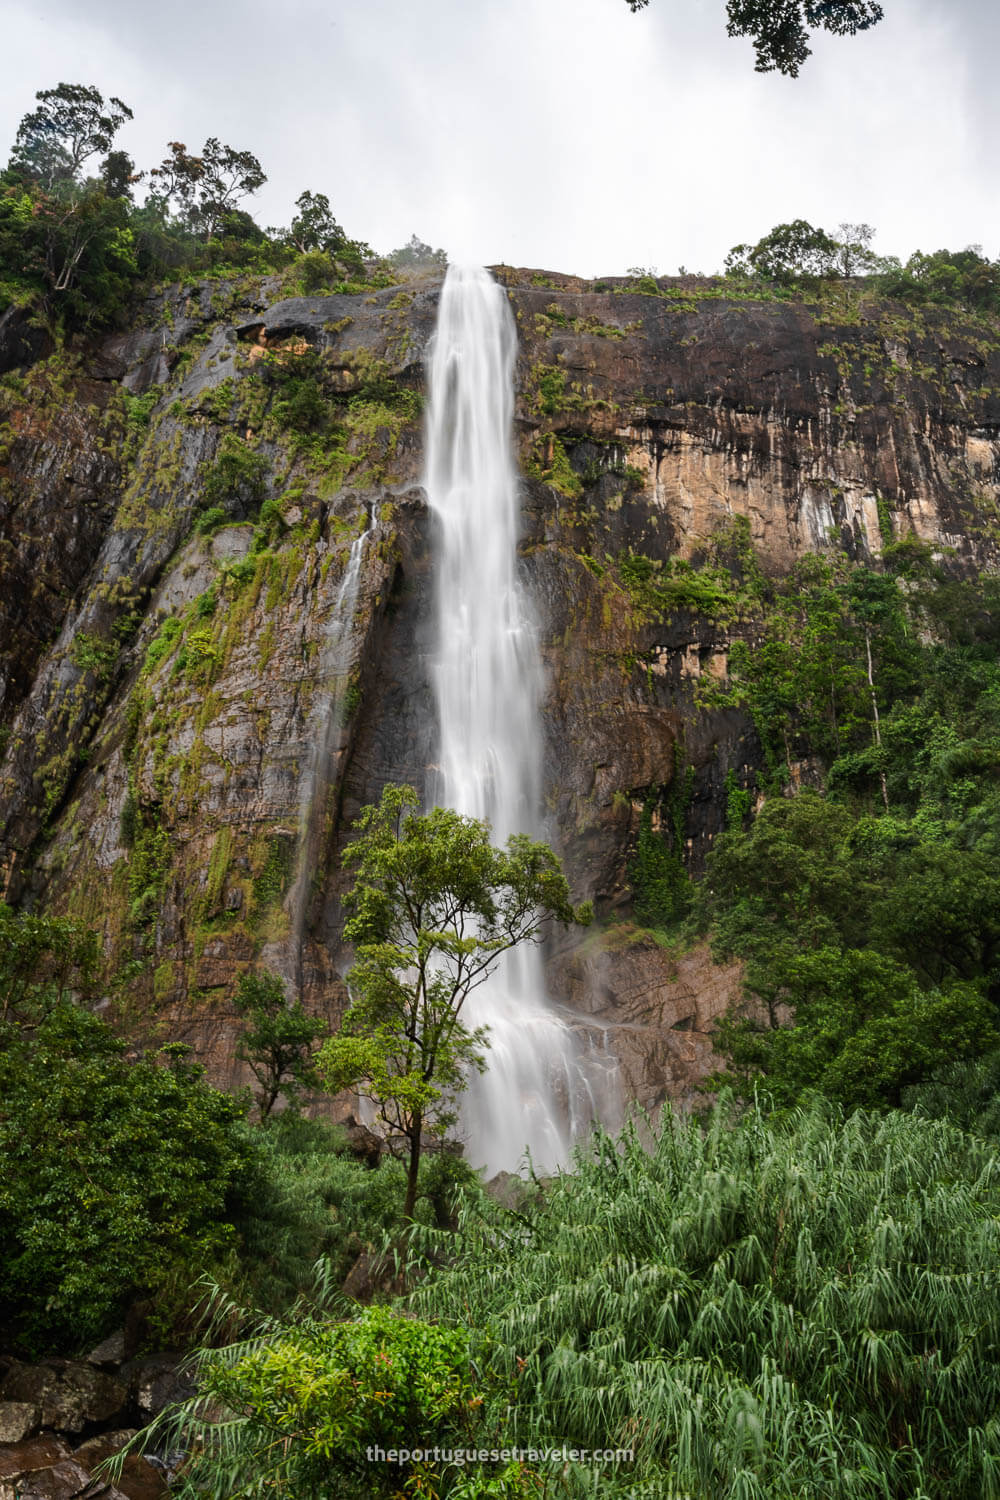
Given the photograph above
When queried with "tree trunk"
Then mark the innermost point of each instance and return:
(414, 1167)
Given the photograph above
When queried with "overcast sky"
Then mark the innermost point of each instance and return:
(563, 134)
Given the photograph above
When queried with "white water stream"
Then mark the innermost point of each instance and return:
(336, 661)
(487, 679)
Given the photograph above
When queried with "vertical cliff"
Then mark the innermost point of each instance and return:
(178, 506)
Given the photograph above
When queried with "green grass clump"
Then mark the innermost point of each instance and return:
(761, 1309)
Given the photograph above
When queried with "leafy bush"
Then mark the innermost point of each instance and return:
(210, 520)
(235, 481)
(163, 642)
(307, 1400)
(119, 1179)
(661, 888)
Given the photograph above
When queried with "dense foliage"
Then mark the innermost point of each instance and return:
(119, 1179)
(866, 913)
(311, 1408)
(796, 258)
(761, 1310)
(75, 247)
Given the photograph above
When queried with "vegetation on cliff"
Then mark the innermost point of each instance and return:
(76, 248)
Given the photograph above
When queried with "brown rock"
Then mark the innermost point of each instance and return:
(64, 1481)
(37, 1453)
(138, 1479)
(682, 415)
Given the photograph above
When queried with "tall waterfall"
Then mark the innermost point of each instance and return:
(487, 685)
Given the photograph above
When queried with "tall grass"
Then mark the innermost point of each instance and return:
(796, 1310)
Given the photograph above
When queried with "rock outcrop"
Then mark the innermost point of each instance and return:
(178, 508)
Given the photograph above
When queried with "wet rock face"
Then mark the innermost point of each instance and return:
(179, 507)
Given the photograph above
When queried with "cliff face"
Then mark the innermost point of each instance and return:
(179, 507)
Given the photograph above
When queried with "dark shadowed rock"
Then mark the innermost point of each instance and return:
(21, 342)
(362, 1143)
(154, 1382)
(71, 1396)
(37, 1453)
(110, 1352)
(138, 1479)
(67, 1480)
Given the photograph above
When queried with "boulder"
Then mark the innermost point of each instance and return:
(362, 1143)
(37, 1453)
(18, 1420)
(72, 1395)
(155, 1381)
(138, 1479)
(109, 1353)
(64, 1481)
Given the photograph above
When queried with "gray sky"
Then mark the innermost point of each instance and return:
(564, 134)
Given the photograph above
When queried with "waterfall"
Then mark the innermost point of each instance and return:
(487, 683)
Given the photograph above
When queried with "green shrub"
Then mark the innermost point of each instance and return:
(307, 1401)
(163, 642)
(210, 520)
(316, 270)
(235, 481)
(661, 887)
(116, 1184)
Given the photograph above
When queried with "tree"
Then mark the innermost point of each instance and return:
(946, 276)
(229, 176)
(278, 1042)
(788, 252)
(433, 906)
(314, 227)
(71, 124)
(861, 1031)
(118, 175)
(780, 28)
(415, 255)
(41, 960)
(854, 255)
(206, 188)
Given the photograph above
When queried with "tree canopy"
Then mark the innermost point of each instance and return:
(779, 29)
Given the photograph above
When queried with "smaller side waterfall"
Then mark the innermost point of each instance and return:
(334, 670)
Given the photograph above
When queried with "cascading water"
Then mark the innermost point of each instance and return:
(335, 669)
(487, 684)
